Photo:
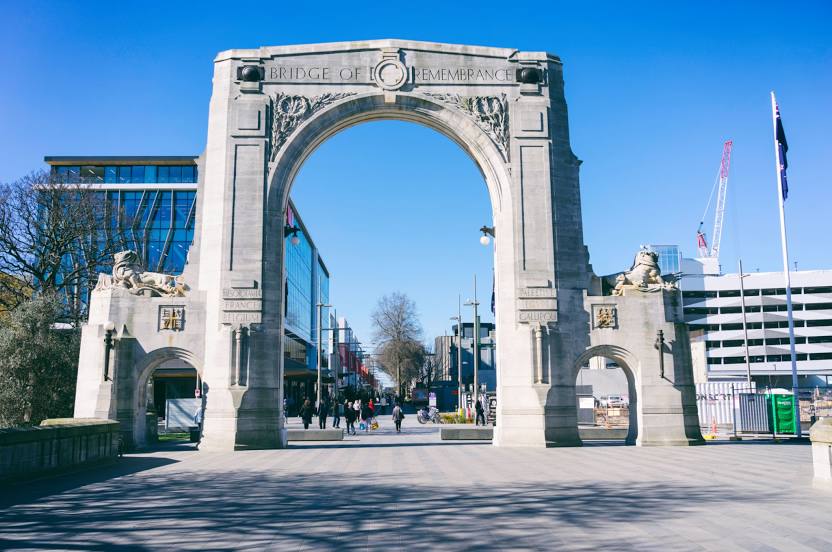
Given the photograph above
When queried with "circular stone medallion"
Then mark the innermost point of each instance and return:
(390, 74)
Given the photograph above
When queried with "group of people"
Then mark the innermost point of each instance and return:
(351, 411)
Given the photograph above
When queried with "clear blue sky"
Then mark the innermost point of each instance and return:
(653, 90)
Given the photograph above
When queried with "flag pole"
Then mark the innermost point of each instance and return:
(786, 275)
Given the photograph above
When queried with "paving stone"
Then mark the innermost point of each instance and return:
(413, 491)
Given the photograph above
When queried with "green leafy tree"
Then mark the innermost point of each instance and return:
(38, 363)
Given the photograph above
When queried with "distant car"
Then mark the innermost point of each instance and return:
(613, 401)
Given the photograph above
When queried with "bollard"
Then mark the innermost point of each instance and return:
(821, 437)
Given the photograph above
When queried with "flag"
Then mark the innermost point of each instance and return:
(782, 148)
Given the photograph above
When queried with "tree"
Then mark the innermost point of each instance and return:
(38, 363)
(54, 238)
(398, 333)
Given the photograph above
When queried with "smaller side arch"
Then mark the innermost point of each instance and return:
(632, 368)
(142, 371)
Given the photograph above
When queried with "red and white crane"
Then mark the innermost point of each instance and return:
(721, 186)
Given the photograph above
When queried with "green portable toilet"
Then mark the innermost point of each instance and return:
(781, 409)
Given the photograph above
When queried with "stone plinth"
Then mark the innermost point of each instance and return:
(315, 434)
(466, 433)
(821, 437)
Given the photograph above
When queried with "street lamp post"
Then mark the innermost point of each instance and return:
(474, 303)
(318, 347)
(458, 319)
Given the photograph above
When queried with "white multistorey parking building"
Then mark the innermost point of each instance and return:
(713, 308)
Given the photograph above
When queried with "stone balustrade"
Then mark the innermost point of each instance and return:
(56, 445)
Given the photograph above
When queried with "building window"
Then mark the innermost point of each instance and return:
(701, 310)
(731, 327)
(698, 294)
(816, 323)
(729, 293)
(774, 291)
(713, 344)
(732, 343)
(820, 339)
(733, 360)
(730, 310)
(812, 290)
(715, 360)
(818, 306)
(755, 342)
(820, 356)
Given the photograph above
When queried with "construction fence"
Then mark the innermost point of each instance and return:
(748, 408)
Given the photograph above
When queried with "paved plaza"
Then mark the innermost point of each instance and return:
(415, 492)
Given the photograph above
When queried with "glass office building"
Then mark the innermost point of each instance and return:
(670, 258)
(150, 207)
(150, 202)
(307, 284)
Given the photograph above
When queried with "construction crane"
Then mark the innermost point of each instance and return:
(721, 187)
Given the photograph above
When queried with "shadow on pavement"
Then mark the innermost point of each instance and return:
(259, 509)
(34, 489)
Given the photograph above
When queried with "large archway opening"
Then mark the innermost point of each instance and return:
(390, 206)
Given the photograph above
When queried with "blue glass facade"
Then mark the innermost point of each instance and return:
(127, 174)
(155, 222)
(670, 258)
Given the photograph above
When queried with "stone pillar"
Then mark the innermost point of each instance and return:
(536, 406)
(821, 437)
(242, 343)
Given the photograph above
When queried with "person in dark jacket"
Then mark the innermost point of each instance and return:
(480, 413)
(306, 413)
(349, 416)
(323, 412)
(366, 414)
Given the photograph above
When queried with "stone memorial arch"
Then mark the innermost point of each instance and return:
(270, 108)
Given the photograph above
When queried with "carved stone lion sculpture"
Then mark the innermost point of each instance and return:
(128, 274)
(644, 275)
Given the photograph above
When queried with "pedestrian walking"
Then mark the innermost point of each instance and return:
(366, 414)
(349, 416)
(480, 413)
(398, 416)
(372, 408)
(337, 410)
(323, 412)
(306, 413)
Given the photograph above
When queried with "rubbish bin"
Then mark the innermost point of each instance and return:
(194, 434)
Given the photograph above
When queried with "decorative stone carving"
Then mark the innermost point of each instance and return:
(290, 110)
(605, 316)
(644, 275)
(172, 318)
(128, 274)
(489, 112)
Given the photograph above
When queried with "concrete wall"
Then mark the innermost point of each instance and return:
(56, 445)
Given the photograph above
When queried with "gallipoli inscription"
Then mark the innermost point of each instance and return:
(287, 73)
(537, 316)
